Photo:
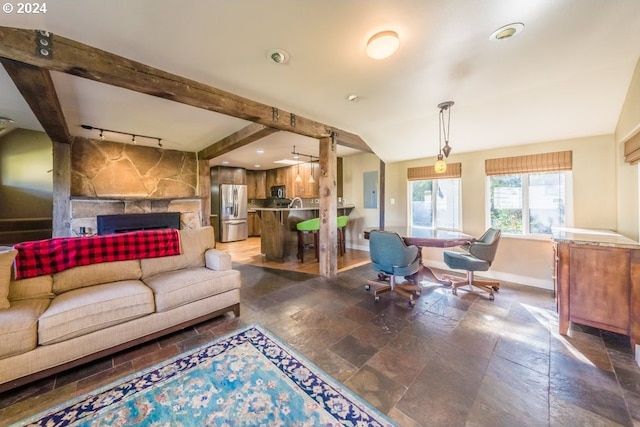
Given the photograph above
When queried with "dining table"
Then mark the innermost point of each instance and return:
(429, 238)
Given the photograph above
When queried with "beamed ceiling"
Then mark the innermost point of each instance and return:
(196, 74)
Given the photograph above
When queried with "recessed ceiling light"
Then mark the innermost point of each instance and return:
(507, 31)
(260, 151)
(383, 45)
(352, 97)
(278, 56)
(256, 166)
(225, 162)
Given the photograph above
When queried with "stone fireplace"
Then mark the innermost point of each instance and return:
(84, 212)
(109, 178)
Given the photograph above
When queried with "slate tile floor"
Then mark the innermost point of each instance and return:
(450, 361)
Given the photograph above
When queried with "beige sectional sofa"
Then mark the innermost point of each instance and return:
(54, 322)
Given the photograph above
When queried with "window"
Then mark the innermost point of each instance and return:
(528, 203)
(435, 203)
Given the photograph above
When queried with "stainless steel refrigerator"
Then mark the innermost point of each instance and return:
(231, 208)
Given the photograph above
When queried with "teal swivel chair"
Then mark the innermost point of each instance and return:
(477, 255)
(391, 257)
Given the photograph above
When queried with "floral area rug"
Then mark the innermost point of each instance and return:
(249, 378)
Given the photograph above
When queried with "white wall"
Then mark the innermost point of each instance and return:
(353, 169)
(628, 126)
(519, 260)
(26, 181)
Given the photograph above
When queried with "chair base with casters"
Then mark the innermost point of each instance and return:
(478, 256)
(386, 283)
(391, 257)
(485, 285)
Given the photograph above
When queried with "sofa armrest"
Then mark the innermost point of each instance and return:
(218, 260)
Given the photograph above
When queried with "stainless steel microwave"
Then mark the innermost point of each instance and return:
(278, 192)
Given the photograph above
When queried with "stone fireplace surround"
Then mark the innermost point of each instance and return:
(85, 210)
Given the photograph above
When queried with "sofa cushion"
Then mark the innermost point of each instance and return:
(95, 274)
(7, 255)
(34, 287)
(19, 326)
(153, 266)
(193, 244)
(175, 288)
(217, 260)
(85, 310)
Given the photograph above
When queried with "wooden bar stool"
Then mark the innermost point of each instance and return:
(310, 226)
(343, 221)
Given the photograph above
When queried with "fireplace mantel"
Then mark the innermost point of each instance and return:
(132, 198)
(84, 210)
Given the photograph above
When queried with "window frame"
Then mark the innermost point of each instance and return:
(525, 181)
(433, 197)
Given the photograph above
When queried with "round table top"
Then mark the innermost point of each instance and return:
(426, 237)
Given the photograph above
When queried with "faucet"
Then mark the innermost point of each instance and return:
(293, 201)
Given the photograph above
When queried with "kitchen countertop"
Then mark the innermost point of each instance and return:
(592, 237)
(301, 209)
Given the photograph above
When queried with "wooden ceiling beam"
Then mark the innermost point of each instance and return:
(244, 136)
(37, 89)
(75, 58)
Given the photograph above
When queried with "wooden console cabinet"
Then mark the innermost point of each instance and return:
(597, 277)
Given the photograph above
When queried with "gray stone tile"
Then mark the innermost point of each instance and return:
(515, 392)
(353, 350)
(529, 351)
(579, 383)
(379, 390)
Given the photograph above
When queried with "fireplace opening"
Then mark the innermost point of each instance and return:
(124, 223)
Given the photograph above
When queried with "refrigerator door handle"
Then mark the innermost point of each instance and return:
(236, 222)
(235, 202)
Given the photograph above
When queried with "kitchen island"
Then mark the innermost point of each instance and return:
(279, 236)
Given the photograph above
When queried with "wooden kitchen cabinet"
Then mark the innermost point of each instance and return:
(253, 224)
(256, 184)
(279, 176)
(598, 283)
(227, 175)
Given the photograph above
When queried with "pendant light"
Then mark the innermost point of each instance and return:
(311, 179)
(297, 157)
(443, 134)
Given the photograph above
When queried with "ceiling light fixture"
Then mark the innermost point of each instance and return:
(383, 45)
(4, 121)
(278, 56)
(133, 135)
(297, 155)
(352, 97)
(311, 179)
(507, 31)
(443, 134)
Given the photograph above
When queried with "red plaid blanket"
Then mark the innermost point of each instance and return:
(53, 255)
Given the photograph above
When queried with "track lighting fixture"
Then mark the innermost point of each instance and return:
(133, 135)
(296, 156)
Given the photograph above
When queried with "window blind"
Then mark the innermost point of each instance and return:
(544, 162)
(632, 149)
(454, 170)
